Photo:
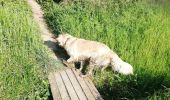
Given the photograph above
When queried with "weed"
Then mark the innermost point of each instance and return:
(23, 58)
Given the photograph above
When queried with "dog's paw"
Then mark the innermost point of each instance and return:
(64, 62)
(78, 71)
(69, 65)
(84, 76)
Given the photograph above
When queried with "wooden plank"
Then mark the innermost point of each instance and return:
(61, 87)
(69, 86)
(76, 85)
(93, 89)
(84, 86)
(54, 88)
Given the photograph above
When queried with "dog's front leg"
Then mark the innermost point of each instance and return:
(71, 59)
(70, 65)
(81, 65)
(70, 62)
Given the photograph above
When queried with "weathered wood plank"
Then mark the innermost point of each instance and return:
(84, 86)
(61, 87)
(54, 88)
(76, 85)
(69, 86)
(93, 89)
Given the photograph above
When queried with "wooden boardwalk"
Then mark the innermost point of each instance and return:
(68, 85)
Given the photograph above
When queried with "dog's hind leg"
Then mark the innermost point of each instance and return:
(90, 72)
(91, 66)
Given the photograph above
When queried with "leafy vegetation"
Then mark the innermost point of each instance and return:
(23, 58)
(138, 30)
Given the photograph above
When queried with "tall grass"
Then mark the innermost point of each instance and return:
(23, 58)
(138, 30)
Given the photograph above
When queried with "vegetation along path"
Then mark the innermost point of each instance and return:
(47, 36)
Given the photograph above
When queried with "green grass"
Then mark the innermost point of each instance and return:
(138, 30)
(23, 58)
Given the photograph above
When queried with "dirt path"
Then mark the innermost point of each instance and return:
(47, 36)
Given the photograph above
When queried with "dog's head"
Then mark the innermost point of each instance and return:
(123, 68)
(62, 38)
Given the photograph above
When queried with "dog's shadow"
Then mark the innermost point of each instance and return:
(59, 51)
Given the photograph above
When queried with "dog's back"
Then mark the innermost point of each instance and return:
(90, 48)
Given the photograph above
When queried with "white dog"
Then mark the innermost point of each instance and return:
(99, 54)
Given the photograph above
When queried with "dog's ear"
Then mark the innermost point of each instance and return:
(61, 34)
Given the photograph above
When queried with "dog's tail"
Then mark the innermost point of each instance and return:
(119, 65)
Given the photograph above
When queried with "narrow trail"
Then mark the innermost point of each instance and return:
(47, 37)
